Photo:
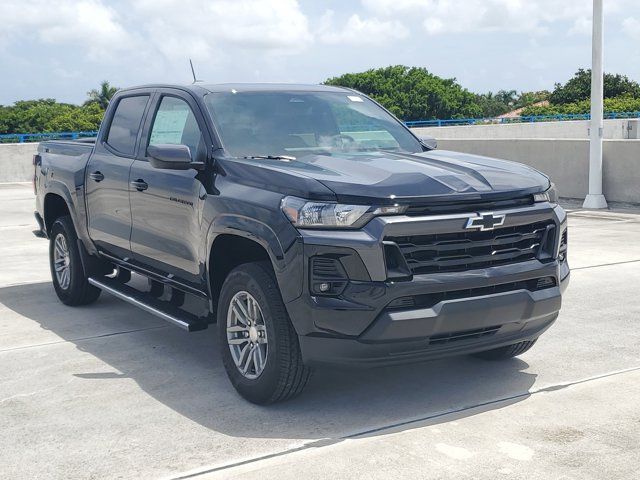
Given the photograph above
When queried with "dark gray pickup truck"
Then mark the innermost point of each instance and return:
(306, 221)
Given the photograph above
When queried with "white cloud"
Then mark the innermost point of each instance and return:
(519, 16)
(183, 28)
(62, 48)
(582, 26)
(388, 7)
(172, 28)
(357, 31)
(87, 24)
(631, 26)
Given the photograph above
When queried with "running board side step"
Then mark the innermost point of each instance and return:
(164, 310)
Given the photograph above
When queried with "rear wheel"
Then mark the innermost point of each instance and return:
(259, 346)
(67, 272)
(507, 352)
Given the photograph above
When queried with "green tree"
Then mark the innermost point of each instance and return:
(579, 88)
(413, 93)
(507, 97)
(85, 118)
(494, 104)
(624, 103)
(47, 115)
(101, 96)
(529, 98)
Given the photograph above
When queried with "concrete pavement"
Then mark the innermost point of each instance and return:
(108, 391)
(526, 440)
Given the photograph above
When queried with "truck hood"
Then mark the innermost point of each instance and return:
(436, 175)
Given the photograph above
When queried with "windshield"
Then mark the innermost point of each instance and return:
(300, 123)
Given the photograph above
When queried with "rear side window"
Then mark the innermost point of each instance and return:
(126, 124)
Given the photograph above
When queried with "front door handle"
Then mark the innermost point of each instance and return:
(140, 185)
(97, 176)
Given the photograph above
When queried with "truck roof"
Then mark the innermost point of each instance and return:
(200, 87)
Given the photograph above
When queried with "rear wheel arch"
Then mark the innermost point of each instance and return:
(55, 206)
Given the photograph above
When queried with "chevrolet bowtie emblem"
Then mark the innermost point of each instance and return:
(485, 221)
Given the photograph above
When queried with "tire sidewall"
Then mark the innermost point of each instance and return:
(257, 390)
(64, 226)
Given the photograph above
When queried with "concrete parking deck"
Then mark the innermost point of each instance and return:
(108, 391)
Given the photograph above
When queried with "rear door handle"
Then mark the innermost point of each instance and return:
(140, 185)
(97, 176)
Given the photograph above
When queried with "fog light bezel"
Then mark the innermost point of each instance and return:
(331, 284)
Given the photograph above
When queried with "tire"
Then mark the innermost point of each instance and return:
(72, 288)
(282, 375)
(504, 353)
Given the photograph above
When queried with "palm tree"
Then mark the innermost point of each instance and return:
(101, 96)
(508, 97)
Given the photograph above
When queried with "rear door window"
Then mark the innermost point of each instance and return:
(125, 124)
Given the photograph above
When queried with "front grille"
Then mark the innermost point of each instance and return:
(428, 300)
(460, 251)
(464, 207)
(444, 338)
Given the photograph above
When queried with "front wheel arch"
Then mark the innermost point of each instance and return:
(228, 252)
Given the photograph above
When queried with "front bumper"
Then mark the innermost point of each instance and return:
(454, 328)
(358, 328)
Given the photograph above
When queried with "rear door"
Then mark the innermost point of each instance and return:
(166, 205)
(107, 175)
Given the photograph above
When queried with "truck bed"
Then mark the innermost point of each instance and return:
(67, 147)
(60, 170)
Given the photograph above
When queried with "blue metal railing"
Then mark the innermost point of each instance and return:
(528, 119)
(38, 137)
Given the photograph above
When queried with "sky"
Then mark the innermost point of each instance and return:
(63, 48)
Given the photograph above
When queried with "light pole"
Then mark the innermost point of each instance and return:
(595, 198)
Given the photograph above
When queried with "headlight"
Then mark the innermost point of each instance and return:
(305, 214)
(551, 195)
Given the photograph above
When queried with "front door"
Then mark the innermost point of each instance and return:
(107, 178)
(166, 205)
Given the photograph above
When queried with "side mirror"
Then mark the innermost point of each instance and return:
(171, 157)
(429, 142)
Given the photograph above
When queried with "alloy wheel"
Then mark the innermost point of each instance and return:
(62, 261)
(247, 335)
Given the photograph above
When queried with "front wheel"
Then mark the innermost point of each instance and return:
(504, 353)
(67, 273)
(259, 346)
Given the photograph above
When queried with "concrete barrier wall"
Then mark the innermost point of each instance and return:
(16, 161)
(566, 162)
(613, 129)
(621, 174)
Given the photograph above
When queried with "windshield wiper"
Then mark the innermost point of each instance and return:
(286, 158)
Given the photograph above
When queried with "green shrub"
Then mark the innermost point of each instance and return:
(47, 115)
(578, 88)
(624, 103)
(413, 93)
